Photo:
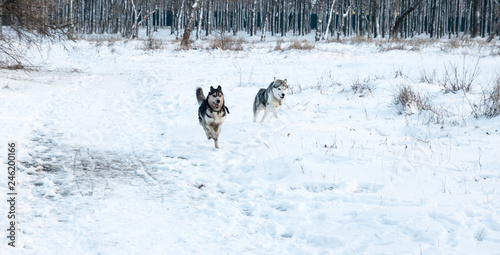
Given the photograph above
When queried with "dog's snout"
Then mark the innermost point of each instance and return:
(283, 95)
(218, 101)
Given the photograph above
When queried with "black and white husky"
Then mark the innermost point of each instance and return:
(270, 99)
(212, 112)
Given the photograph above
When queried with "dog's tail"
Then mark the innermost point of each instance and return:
(199, 95)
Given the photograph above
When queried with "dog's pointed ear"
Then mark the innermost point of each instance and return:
(219, 88)
(274, 79)
(285, 80)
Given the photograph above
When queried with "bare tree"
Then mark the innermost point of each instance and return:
(200, 18)
(179, 17)
(476, 18)
(496, 28)
(402, 16)
(434, 18)
(319, 22)
(266, 20)
(195, 4)
(330, 15)
(342, 22)
(27, 19)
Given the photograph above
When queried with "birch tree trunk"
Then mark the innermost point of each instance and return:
(253, 29)
(185, 43)
(319, 24)
(200, 18)
(342, 21)
(209, 19)
(179, 19)
(136, 21)
(266, 21)
(330, 15)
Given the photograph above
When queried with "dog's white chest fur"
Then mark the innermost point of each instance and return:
(215, 117)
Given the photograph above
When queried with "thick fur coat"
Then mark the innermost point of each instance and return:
(212, 112)
(270, 99)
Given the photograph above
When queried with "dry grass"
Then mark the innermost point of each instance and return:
(489, 105)
(409, 102)
(293, 45)
(279, 44)
(152, 44)
(460, 76)
(224, 42)
(101, 40)
(301, 45)
(428, 76)
(363, 88)
(12, 67)
(327, 83)
(403, 44)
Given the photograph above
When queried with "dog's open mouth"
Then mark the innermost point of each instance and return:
(216, 105)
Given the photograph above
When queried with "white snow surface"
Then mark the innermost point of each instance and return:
(112, 159)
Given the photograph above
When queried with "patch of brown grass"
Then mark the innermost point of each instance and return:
(152, 44)
(409, 102)
(301, 45)
(224, 42)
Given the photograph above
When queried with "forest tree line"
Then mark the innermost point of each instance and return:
(327, 18)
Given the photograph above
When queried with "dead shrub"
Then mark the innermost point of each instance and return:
(363, 88)
(409, 102)
(427, 77)
(460, 76)
(300, 45)
(402, 44)
(327, 83)
(278, 46)
(224, 42)
(489, 104)
(16, 66)
(360, 40)
(152, 44)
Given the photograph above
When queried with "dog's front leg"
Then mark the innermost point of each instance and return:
(208, 132)
(265, 115)
(272, 109)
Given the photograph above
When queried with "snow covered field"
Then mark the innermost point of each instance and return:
(112, 159)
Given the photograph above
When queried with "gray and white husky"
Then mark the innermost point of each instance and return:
(212, 112)
(270, 99)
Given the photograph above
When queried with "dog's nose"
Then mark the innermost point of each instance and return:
(283, 95)
(218, 101)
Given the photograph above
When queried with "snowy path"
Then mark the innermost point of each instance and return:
(114, 161)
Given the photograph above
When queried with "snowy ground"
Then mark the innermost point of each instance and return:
(112, 159)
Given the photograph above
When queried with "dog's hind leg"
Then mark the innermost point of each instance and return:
(256, 114)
